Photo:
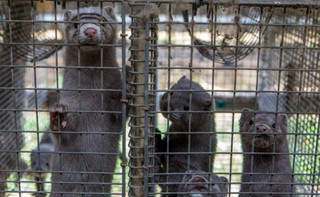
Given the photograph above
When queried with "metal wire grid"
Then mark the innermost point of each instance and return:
(13, 86)
(11, 98)
(274, 92)
(46, 44)
(120, 176)
(300, 59)
(15, 32)
(307, 84)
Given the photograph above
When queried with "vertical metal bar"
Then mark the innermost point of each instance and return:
(35, 82)
(213, 40)
(278, 90)
(17, 115)
(57, 92)
(190, 93)
(213, 26)
(169, 95)
(58, 98)
(257, 75)
(12, 75)
(237, 18)
(146, 101)
(124, 87)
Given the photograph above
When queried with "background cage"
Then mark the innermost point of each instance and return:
(266, 57)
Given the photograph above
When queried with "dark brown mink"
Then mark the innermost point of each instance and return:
(202, 184)
(41, 161)
(88, 122)
(187, 117)
(266, 163)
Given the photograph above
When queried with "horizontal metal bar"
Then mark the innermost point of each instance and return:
(211, 47)
(172, 67)
(233, 173)
(236, 153)
(280, 3)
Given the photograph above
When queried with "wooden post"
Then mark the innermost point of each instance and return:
(142, 57)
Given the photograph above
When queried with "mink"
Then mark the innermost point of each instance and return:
(87, 122)
(266, 162)
(41, 160)
(188, 117)
(202, 184)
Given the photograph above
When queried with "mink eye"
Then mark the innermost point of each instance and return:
(75, 26)
(186, 108)
(274, 125)
(251, 122)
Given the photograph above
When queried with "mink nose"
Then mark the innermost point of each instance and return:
(261, 128)
(90, 32)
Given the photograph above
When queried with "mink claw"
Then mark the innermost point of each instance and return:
(58, 115)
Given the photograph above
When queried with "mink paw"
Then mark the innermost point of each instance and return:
(58, 115)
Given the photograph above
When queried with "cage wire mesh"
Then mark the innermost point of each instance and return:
(31, 31)
(11, 94)
(298, 86)
(245, 54)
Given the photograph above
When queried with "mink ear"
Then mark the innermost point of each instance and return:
(283, 122)
(245, 114)
(68, 15)
(223, 179)
(182, 79)
(207, 103)
(110, 12)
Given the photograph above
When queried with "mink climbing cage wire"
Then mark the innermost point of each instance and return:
(262, 55)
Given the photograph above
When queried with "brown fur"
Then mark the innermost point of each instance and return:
(178, 114)
(91, 169)
(41, 162)
(265, 166)
(202, 184)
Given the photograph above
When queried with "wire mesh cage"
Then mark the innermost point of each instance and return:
(159, 98)
(298, 60)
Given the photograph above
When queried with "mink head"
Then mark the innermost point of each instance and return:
(41, 161)
(90, 26)
(263, 131)
(200, 184)
(176, 106)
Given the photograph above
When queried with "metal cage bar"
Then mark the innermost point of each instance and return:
(262, 55)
